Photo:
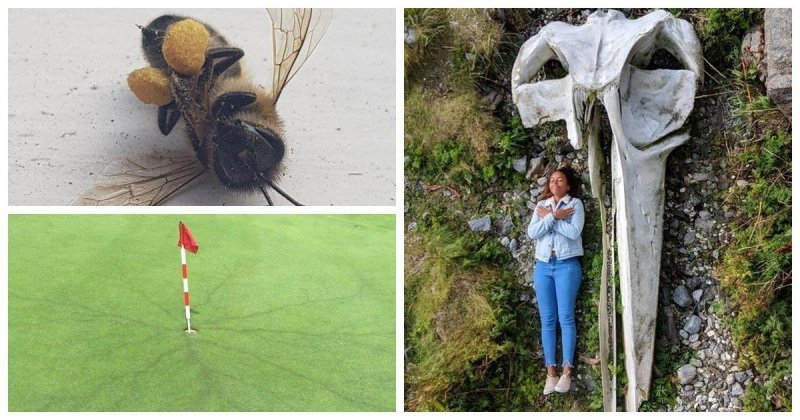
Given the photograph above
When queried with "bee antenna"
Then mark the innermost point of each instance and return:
(263, 191)
(283, 193)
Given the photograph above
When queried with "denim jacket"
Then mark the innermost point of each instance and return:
(563, 236)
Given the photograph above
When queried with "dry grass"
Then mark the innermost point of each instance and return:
(449, 321)
(475, 31)
(430, 119)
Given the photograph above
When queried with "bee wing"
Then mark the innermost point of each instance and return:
(295, 35)
(141, 181)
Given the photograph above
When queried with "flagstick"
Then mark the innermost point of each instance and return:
(186, 290)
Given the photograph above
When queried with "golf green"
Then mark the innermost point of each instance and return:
(293, 312)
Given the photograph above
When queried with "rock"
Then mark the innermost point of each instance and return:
(519, 164)
(704, 214)
(513, 245)
(697, 295)
(505, 241)
(671, 330)
(741, 376)
(541, 181)
(693, 324)
(694, 337)
(688, 239)
(681, 296)
(484, 224)
(534, 167)
(412, 226)
(694, 282)
(505, 224)
(753, 50)
(686, 374)
(736, 389)
(701, 177)
(492, 99)
(411, 36)
(778, 46)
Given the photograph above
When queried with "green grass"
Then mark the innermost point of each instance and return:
(294, 313)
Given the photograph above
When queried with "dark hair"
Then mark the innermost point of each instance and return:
(573, 180)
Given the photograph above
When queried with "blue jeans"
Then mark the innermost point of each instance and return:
(556, 284)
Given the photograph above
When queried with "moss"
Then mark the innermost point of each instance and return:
(721, 32)
(756, 269)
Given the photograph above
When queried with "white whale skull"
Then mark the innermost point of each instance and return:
(604, 59)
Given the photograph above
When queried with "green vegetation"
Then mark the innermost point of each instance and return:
(756, 267)
(721, 32)
(294, 313)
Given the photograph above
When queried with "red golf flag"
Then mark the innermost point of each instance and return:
(186, 239)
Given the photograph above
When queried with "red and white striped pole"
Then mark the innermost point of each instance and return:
(186, 290)
(186, 240)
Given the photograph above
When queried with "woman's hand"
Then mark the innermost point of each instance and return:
(562, 214)
(542, 211)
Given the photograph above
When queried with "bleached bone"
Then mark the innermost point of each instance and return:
(604, 60)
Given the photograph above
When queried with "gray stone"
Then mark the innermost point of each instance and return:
(534, 167)
(681, 296)
(693, 282)
(704, 214)
(753, 50)
(741, 377)
(686, 374)
(505, 241)
(694, 337)
(541, 181)
(519, 164)
(411, 36)
(697, 295)
(688, 239)
(505, 224)
(693, 324)
(484, 224)
(736, 389)
(778, 44)
(701, 177)
(513, 245)
(412, 226)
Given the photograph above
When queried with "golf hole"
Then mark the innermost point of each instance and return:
(190, 331)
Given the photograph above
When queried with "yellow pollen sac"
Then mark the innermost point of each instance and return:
(185, 46)
(151, 86)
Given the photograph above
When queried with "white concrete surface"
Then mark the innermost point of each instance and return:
(71, 113)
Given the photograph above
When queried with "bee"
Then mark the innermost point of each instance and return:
(232, 123)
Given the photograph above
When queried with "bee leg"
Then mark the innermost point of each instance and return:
(168, 116)
(231, 101)
(227, 57)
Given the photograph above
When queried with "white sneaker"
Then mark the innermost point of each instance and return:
(563, 384)
(550, 384)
